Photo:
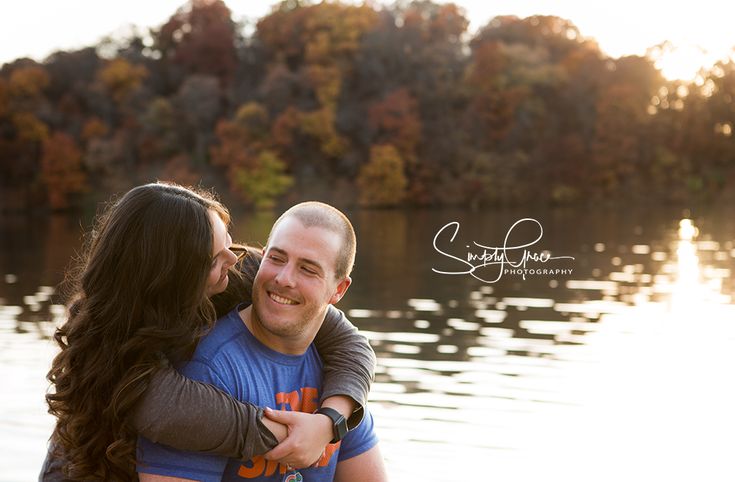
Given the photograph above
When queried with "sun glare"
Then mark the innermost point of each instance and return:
(682, 63)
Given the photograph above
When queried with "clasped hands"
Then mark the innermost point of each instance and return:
(302, 437)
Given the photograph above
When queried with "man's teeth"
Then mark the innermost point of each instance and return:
(282, 300)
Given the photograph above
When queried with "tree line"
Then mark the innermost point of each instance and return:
(371, 105)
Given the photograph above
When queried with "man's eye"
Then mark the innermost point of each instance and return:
(275, 259)
(308, 270)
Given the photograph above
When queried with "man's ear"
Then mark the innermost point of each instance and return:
(341, 290)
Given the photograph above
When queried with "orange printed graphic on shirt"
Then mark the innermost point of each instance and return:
(327, 455)
(304, 400)
(260, 466)
(307, 402)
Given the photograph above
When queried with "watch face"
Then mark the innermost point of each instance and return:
(340, 429)
(339, 423)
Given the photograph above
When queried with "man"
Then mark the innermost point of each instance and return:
(263, 354)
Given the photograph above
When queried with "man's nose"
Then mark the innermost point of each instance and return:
(285, 275)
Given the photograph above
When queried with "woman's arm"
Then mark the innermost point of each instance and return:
(190, 415)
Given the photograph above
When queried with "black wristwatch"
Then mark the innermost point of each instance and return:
(339, 423)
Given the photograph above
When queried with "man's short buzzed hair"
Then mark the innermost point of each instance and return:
(321, 215)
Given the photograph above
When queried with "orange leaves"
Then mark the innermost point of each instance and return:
(488, 62)
(4, 98)
(239, 138)
(617, 136)
(180, 169)
(285, 127)
(28, 82)
(437, 23)
(61, 169)
(492, 113)
(316, 44)
(325, 33)
(279, 32)
(621, 119)
(332, 30)
(232, 148)
(391, 113)
(326, 82)
(94, 128)
(319, 125)
(395, 94)
(493, 103)
(320, 39)
(449, 22)
(396, 120)
(121, 78)
(29, 128)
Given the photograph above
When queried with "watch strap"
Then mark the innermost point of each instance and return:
(339, 424)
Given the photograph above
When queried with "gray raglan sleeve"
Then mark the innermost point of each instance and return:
(349, 361)
(190, 415)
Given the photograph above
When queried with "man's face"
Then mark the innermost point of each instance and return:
(296, 282)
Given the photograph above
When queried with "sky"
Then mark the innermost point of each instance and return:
(700, 32)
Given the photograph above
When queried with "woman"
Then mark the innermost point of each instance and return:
(143, 298)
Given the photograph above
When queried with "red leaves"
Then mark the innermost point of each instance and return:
(201, 38)
(396, 120)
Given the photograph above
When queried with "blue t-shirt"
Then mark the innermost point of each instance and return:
(231, 358)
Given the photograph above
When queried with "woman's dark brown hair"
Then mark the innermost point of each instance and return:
(139, 295)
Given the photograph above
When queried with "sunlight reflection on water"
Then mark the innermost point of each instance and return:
(613, 390)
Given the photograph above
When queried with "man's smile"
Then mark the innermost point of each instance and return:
(282, 300)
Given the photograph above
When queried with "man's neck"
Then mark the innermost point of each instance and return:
(288, 345)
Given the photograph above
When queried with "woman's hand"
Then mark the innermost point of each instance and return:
(308, 435)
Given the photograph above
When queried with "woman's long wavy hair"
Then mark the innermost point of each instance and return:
(138, 295)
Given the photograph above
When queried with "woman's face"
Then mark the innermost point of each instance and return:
(222, 257)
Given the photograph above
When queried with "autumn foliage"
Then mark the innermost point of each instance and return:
(61, 169)
(382, 180)
(380, 106)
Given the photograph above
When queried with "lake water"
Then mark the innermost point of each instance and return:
(616, 366)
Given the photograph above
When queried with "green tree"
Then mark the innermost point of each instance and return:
(263, 180)
(255, 171)
(382, 181)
